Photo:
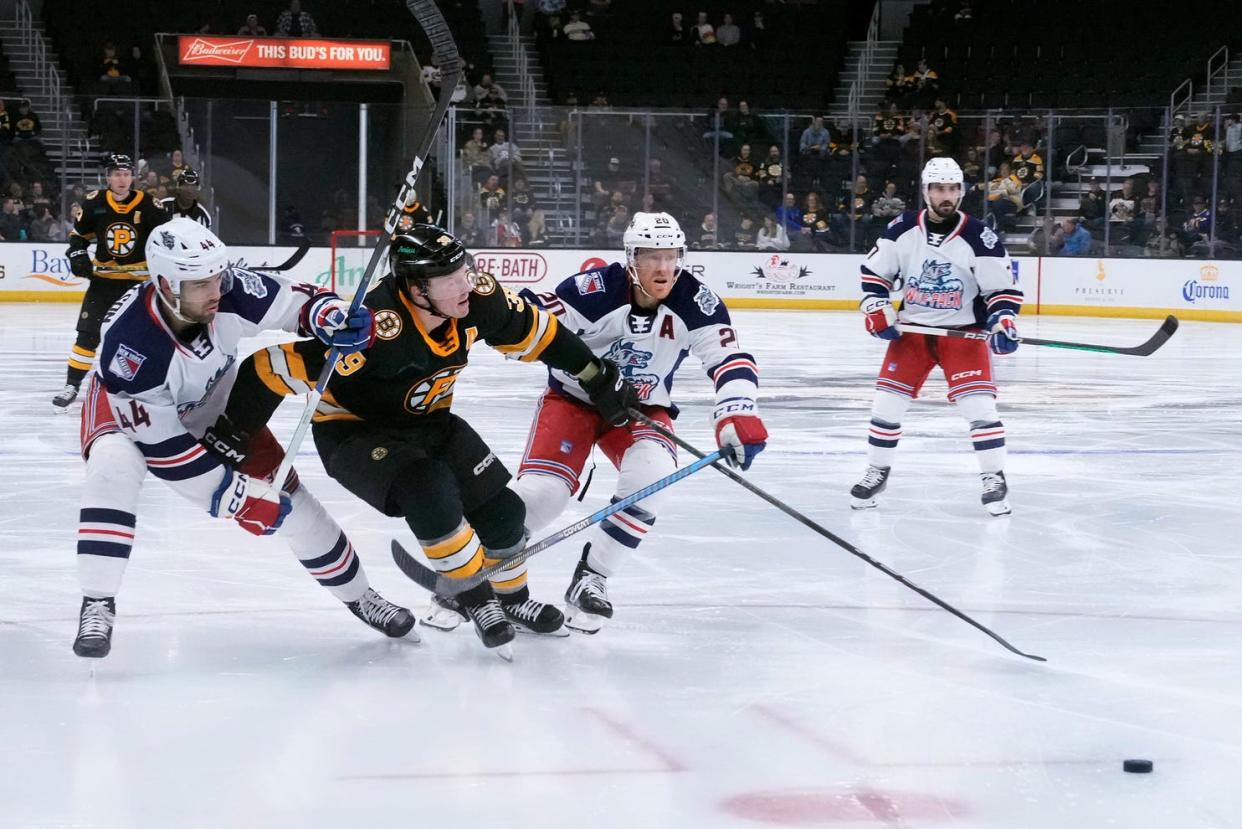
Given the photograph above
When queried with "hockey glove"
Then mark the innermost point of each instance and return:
(328, 317)
(1003, 332)
(880, 317)
(251, 502)
(608, 389)
(739, 431)
(80, 263)
(226, 442)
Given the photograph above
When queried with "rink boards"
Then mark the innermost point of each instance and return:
(1191, 289)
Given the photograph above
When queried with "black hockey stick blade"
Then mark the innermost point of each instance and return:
(290, 263)
(840, 542)
(1142, 350)
(415, 570)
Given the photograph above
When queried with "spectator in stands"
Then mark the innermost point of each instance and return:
(469, 232)
(537, 230)
(813, 150)
(1192, 163)
(1028, 169)
(745, 233)
(965, 14)
(474, 154)
(608, 182)
(491, 110)
(45, 227)
(718, 121)
(1091, 207)
(150, 182)
(506, 158)
(995, 153)
(112, 80)
(522, 201)
(505, 231)
(744, 177)
(614, 231)
(1047, 237)
(789, 215)
(855, 208)
(886, 131)
(577, 30)
(926, 82)
(488, 87)
(6, 126)
(491, 197)
(972, 169)
(11, 229)
(294, 22)
(37, 198)
(1004, 196)
(1231, 158)
(176, 165)
(1163, 244)
(745, 126)
(703, 33)
(252, 28)
(942, 130)
(1077, 239)
(1123, 206)
(707, 234)
(815, 230)
(889, 205)
(659, 185)
(757, 36)
(772, 235)
(771, 177)
(899, 84)
(676, 34)
(1198, 225)
(728, 33)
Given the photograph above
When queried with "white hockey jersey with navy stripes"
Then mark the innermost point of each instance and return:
(952, 276)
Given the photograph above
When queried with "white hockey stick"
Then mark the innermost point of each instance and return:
(446, 56)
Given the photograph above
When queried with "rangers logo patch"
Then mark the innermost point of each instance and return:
(590, 283)
(387, 325)
(126, 362)
(707, 300)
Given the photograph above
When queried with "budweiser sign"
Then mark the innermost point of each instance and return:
(201, 50)
(284, 52)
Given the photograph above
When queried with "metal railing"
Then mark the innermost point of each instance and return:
(859, 87)
(526, 87)
(1218, 73)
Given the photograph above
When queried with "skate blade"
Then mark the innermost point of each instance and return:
(410, 638)
(864, 503)
(504, 651)
(584, 623)
(998, 508)
(61, 409)
(559, 633)
(441, 619)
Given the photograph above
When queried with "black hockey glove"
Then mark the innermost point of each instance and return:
(228, 443)
(80, 263)
(611, 393)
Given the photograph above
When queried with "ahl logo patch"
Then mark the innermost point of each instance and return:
(988, 237)
(707, 300)
(126, 362)
(590, 283)
(252, 284)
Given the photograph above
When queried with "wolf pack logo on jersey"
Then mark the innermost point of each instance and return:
(121, 238)
(936, 287)
(252, 284)
(707, 300)
(630, 360)
(185, 408)
(126, 362)
(590, 283)
(779, 269)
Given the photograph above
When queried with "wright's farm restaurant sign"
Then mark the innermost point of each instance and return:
(283, 52)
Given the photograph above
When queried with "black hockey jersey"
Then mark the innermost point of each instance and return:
(119, 231)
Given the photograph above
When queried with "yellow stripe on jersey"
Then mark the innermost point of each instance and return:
(88, 353)
(544, 341)
(542, 330)
(263, 368)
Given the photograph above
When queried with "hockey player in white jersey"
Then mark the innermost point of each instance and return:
(167, 363)
(956, 274)
(645, 315)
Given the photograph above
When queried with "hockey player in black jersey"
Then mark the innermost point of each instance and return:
(117, 221)
(385, 431)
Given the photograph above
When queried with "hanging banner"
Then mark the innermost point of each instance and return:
(283, 52)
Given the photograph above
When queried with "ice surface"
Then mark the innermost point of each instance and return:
(755, 674)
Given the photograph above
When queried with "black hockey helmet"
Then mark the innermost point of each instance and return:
(188, 177)
(424, 252)
(118, 161)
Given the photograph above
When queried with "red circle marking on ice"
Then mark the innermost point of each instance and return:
(591, 264)
(847, 805)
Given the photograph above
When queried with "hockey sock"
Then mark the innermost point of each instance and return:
(322, 548)
(106, 522)
(80, 362)
(885, 430)
(987, 433)
(458, 554)
(617, 536)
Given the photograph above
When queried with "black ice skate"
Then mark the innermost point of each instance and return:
(528, 615)
(586, 601)
(873, 482)
(382, 615)
(95, 628)
(480, 605)
(60, 403)
(995, 492)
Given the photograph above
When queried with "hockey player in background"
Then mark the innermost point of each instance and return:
(117, 221)
(645, 315)
(166, 367)
(385, 431)
(956, 274)
(184, 201)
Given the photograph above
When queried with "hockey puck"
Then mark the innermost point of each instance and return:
(1137, 766)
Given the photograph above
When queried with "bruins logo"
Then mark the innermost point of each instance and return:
(387, 325)
(484, 283)
(379, 453)
(121, 239)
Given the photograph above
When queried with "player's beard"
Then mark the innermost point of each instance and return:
(944, 210)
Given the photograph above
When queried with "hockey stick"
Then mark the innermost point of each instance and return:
(441, 585)
(444, 50)
(835, 539)
(1143, 350)
(290, 263)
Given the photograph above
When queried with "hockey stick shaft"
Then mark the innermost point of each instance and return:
(1142, 350)
(289, 264)
(828, 534)
(445, 586)
(444, 49)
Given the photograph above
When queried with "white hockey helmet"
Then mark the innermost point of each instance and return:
(653, 230)
(943, 171)
(182, 250)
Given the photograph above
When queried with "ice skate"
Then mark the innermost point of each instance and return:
(63, 398)
(382, 615)
(95, 628)
(443, 613)
(481, 606)
(529, 615)
(586, 601)
(995, 492)
(873, 482)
